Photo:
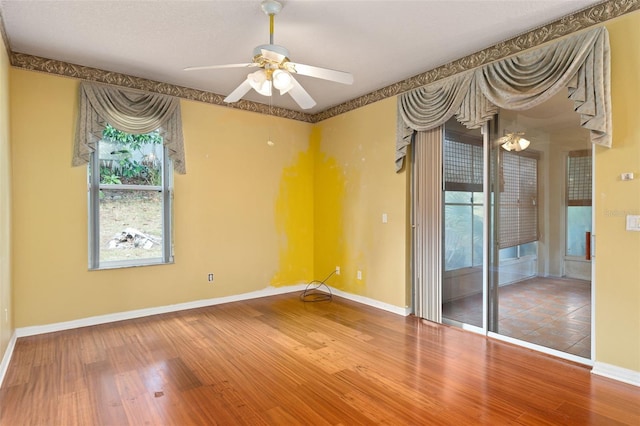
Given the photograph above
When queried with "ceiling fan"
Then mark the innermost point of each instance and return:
(276, 70)
(513, 141)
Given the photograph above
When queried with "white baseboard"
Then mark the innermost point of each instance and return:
(372, 302)
(139, 313)
(7, 357)
(616, 373)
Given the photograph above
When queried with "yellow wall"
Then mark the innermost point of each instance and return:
(355, 183)
(243, 211)
(6, 307)
(617, 311)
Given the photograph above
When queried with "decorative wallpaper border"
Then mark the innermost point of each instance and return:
(52, 66)
(577, 21)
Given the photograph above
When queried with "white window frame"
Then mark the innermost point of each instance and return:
(94, 187)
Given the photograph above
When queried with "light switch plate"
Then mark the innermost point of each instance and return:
(633, 222)
(626, 176)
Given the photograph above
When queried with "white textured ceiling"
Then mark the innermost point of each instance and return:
(380, 42)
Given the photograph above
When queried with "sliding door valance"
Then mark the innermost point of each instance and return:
(429, 107)
(580, 62)
(129, 111)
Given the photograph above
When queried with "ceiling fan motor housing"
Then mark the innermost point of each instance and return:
(280, 50)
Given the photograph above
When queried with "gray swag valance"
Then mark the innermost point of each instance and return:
(129, 111)
(580, 62)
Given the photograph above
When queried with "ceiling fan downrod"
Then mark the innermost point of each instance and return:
(271, 8)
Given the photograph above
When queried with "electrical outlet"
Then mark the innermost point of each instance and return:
(210, 277)
(337, 270)
(359, 275)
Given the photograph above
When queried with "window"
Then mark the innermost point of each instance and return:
(129, 201)
(463, 199)
(578, 202)
(463, 229)
(519, 251)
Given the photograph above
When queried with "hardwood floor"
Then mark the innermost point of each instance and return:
(279, 361)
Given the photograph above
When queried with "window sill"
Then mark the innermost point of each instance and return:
(120, 264)
(576, 259)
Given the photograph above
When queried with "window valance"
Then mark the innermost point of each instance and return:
(129, 111)
(580, 62)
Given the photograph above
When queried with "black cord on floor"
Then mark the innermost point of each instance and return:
(312, 292)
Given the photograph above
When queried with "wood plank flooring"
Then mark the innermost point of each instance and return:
(279, 361)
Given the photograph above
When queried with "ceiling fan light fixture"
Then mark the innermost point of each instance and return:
(523, 143)
(260, 82)
(516, 144)
(282, 81)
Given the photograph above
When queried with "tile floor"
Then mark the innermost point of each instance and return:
(551, 312)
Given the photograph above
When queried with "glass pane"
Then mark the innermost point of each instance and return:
(541, 296)
(508, 253)
(457, 197)
(478, 219)
(457, 243)
(136, 160)
(130, 225)
(462, 279)
(578, 224)
(529, 249)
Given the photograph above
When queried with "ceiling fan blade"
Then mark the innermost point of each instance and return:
(213, 67)
(239, 92)
(300, 95)
(324, 73)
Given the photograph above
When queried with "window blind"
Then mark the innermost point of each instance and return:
(463, 159)
(518, 221)
(579, 178)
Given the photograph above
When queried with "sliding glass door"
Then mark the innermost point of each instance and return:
(539, 275)
(516, 228)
